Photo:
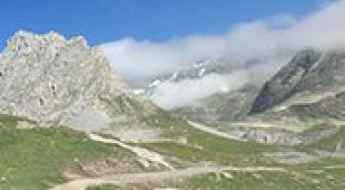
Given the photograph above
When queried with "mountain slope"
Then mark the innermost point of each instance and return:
(306, 93)
(221, 107)
(314, 78)
(55, 81)
(35, 158)
(286, 82)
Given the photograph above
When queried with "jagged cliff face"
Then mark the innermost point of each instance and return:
(47, 78)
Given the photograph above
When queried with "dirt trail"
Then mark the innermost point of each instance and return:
(263, 125)
(138, 178)
(122, 179)
(140, 152)
(213, 131)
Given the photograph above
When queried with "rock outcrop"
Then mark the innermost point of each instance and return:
(49, 79)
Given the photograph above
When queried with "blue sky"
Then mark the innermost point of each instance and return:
(109, 20)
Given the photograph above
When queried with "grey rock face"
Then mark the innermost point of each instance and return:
(48, 79)
(285, 83)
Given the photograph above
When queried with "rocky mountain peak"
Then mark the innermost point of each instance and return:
(24, 43)
(48, 78)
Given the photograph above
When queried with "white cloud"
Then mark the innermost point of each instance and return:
(144, 58)
(273, 40)
(171, 94)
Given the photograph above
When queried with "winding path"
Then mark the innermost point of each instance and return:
(140, 152)
(137, 178)
(213, 131)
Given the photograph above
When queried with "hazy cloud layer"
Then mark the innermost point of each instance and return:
(170, 95)
(264, 39)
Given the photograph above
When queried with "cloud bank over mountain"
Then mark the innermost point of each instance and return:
(264, 39)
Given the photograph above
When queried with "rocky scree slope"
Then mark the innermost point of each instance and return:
(49, 79)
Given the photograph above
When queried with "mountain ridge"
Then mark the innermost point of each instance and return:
(314, 78)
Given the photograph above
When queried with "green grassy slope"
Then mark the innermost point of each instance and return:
(201, 146)
(34, 159)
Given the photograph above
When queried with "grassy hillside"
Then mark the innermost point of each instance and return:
(34, 159)
(201, 146)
